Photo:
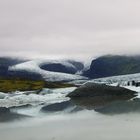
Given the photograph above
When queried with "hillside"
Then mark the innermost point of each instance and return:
(112, 65)
(48, 70)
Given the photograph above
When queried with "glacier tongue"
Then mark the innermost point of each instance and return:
(33, 66)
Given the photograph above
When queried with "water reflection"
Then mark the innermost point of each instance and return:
(109, 104)
(6, 115)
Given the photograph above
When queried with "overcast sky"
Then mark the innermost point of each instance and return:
(69, 28)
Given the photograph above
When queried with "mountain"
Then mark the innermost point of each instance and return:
(62, 66)
(68, 70)
(6, 62)
(49, 70)
(112, 65)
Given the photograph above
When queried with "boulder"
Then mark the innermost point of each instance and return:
(101, 97)
(94, 89)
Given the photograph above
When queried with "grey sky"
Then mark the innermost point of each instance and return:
(69, 28)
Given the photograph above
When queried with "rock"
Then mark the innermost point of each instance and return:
(69, 66)
(93, 89)
(57, 106)
(95, 96)
(58, 68)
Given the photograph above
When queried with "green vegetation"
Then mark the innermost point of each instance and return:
(9, 85)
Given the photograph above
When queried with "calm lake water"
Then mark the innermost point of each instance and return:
(84, 125)
(119, 121)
